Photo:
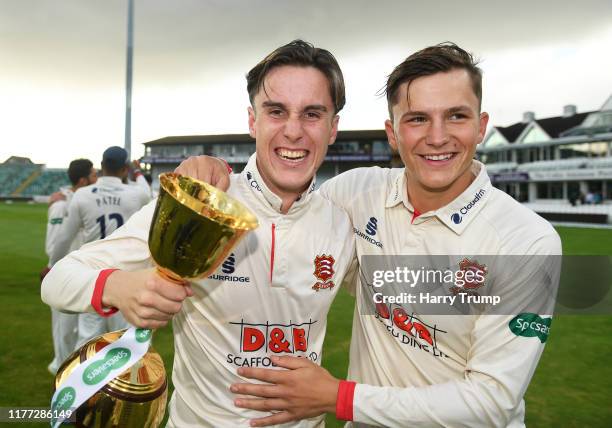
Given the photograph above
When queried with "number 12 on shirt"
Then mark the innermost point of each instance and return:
(102, 221)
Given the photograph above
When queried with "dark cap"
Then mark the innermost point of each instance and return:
(115, 158)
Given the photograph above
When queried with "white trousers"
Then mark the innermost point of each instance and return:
(65, 332)
(92, 325)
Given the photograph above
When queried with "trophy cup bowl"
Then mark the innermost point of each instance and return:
(194, 228)
(194, 219)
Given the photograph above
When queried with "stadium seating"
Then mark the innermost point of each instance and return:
(15, 176)
(46, 183)
(12, 175)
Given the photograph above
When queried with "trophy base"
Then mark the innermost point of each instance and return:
(135, 398)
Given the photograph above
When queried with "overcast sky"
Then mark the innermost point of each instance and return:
(62, 70)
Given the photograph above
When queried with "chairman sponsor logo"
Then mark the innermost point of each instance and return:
(258, 339)
(114, 359)
(227, 269)
(457, 217)
(531, 325)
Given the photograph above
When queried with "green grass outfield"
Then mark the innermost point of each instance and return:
(572, 386)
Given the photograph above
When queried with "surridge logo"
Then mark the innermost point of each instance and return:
(228, 268)
(367, 237)
(372, 226)
(252, 182)
(457, 218)
(228, 265)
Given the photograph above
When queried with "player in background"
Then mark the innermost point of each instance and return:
(63, 325)
(98, 210)
(421, 369)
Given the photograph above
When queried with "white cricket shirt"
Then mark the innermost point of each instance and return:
(472, 370)
(99, 209)
(271, 296)
(56, 214)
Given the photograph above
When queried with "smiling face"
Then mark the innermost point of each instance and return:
(293, 122)
(436, 128)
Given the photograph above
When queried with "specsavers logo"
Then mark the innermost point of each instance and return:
(65, 399)
(114, 359)
(258, 339)
(143, 334)
(458, 217)
(531, 325)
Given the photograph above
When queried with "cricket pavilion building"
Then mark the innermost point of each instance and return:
(560, 166)
(352, 149)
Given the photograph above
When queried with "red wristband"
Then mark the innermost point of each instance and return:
(227, 165)
(96, 298)
(344, 400)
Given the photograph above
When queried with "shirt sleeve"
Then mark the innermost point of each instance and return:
(70, 226)
(55, 218)
(504, 353)
(351, 278)
(70, 284)
(342, 188)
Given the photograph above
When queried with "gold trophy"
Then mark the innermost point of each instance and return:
(194, 228)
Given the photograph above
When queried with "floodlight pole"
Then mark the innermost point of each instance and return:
(128, 79)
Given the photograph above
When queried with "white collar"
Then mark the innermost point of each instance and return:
(259, 189)
(457, 214)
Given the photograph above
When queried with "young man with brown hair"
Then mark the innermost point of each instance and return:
(421, 369)
(272, 294)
